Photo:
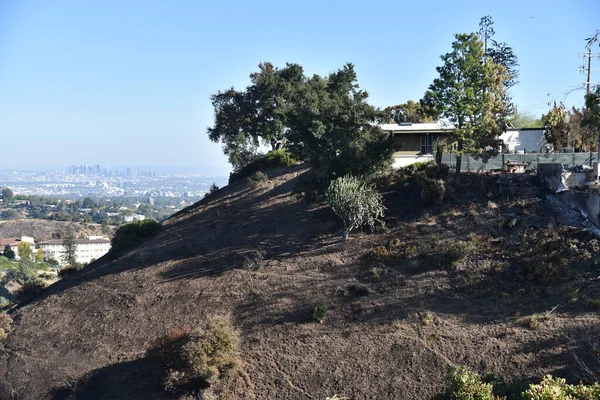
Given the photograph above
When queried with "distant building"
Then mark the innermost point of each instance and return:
(87, 250)
(14, 244)
(136, 217)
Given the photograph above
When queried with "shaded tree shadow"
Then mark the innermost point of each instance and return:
(129, 380)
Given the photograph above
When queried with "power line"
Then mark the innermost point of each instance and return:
(589, 56)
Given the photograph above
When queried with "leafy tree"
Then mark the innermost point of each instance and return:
(524, 120)
(583, 136)
(471, 95)
(39, 255)
(591, 119)
(500, 53)
(325, 120)
(337, 127)
(356, 203)
(9, 253)
(213, 188)
(245, 120)
(24, 251)
(68, 241)
(410, 111)
(7, 195)
(556, 127)
(88, 202)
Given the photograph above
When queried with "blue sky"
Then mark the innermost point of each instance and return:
(128, 82)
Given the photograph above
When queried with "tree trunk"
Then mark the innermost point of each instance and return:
(458, 161)
(345, 234)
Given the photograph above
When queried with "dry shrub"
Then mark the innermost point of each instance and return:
(198, 358)
(545, 256)
(5, 324)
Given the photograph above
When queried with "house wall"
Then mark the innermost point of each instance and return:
(525, 140)
(410, 149)
(84, 253)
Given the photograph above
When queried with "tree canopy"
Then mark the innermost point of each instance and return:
(411, 111)
(24, 250)
(470, 94)
(556, 127)
(324, 120)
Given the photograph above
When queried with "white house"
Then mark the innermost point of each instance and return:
(86, 250)
(13, 244)
(416, 141)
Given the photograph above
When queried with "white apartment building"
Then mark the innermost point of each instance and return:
(86, 250)
(13, 244)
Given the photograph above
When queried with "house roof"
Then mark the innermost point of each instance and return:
(416, 128)
(9, 242)
(77, 241)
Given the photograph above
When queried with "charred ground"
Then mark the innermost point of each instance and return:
(466, 282)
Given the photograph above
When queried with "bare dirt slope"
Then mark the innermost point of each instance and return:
(41, 229)
(397, 318)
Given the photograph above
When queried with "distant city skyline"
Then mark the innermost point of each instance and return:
(129, 83)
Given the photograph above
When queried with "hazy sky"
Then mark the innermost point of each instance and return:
(128, 82)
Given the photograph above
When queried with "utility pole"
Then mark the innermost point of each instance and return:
(589, 69)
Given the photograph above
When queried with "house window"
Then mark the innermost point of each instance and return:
(426, 144)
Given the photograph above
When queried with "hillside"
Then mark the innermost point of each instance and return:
(41, 229)
(466, 282)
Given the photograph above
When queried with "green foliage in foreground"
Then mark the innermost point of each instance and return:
(130, 235)
(464, 384)
(356, 203)
(273, 159)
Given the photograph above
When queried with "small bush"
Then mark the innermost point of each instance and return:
(213, 188)
(356, 203)
(273, 159)
(130, 235)
(199, 358)
(557, 389)
(464, 384)
(433, 190)
(257, 179)
(447, 255)
(320, 311)
(4, 302)
(594, 303)
(5, 324)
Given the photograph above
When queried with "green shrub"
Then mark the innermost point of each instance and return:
(199, 358)
(4, 302)
(130, 235)
(257, 179)
(430, 169)
(320, 310)
(356, 203)
(433, 190)
(53, 262)
(273, 159)
(464, 384)
(557, 389)
(5, 324)
(506, 389)
(447, 255)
